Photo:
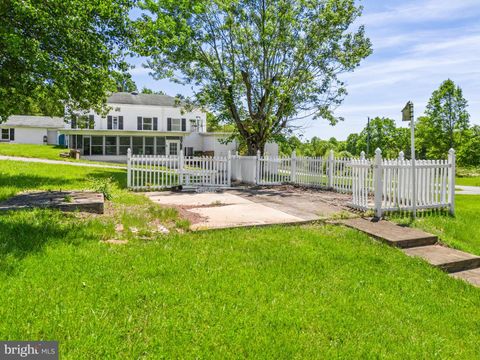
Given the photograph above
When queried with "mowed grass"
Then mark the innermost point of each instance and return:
(16, 176)
(461, 231)
(50, 152)
(468, 181)
(468, 176)
(277, 292)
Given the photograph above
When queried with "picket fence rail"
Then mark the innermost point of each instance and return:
(381, 185)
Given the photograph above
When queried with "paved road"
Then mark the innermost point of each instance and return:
(58, 162)
(467, 190)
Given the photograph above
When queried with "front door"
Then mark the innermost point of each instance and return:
(173, 147)
(86, 145)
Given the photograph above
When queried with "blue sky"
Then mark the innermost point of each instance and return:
(416, 45)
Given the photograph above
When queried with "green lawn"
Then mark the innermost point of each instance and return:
(51, 152)
(468, 176)
(461, 232)
(274, 292)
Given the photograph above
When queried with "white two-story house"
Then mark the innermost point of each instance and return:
(149, 124)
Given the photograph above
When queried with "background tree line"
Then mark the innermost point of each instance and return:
(445, 125)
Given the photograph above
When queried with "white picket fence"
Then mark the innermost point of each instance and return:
(155, 172)
(386, 185)
(329, 172)
(381, 185)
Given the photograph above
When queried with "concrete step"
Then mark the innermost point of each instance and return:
(449, 260)
(392, 234)
(472, 276)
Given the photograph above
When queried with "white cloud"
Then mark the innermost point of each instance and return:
(422, 11)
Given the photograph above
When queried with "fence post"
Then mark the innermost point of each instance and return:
(331, 164)
(378, 191)
(451, 180)
(293, 171)
(180, 168)
(229, 168)
(257, 168)
(129, 168)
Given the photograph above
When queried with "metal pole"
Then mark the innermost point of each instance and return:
(414, 178)
(368, 136)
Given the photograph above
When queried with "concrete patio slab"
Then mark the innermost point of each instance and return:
(304, 203)
(195, 199)
(250, 207)
(249, 214)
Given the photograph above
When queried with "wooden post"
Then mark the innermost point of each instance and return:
(129, 168)
(229, 168)
(293, 171)
(451, 180)
(331, 165)
(378, 191)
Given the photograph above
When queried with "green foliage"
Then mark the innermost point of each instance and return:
(146, 90)
(257, 64)
(445, 122)
(65, 51)
(469, 152)
(102, 185)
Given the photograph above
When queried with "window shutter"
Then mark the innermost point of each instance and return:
(109, 122)
(120, 122)
(155, 123)
(169, 124)
(139, 123)
(12, 134)
(184, 124)
(91, 123)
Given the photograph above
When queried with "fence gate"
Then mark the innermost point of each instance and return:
(155, 172)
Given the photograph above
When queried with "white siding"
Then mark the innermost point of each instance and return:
(27, 135)
(131, 112)
(52, 137)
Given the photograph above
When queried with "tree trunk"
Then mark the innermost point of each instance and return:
(253, 146)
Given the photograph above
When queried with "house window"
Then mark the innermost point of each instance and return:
(149, 145)
(114, 122)
(97, 145)
(176, 125)
(188, 151)
(147, 124)
(6, 134)
(110, 145)
(124, 144)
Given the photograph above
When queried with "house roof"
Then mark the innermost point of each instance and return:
(35, 121)
(142, 99)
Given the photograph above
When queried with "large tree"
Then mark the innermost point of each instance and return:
(259, 64)
(68, 51)
(446, 120)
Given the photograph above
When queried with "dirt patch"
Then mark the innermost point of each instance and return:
(192, 217)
